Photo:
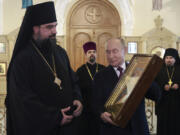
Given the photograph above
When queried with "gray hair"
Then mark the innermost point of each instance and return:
(121, 40)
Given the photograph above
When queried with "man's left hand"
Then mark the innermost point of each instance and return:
(79, 108)
(175, 86)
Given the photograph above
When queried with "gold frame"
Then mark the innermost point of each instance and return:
(3, 68)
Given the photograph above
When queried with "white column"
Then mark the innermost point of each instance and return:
(61, 13)
(124, 8)
(144, 45)
(1, 17)
(174, 42)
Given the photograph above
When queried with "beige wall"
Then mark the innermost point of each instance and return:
(143, 16)
(13, 14)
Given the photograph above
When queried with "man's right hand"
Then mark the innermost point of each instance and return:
(106, 117)
(175, 86)
(66, 118)
(167, 87)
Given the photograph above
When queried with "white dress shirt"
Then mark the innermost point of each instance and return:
(117, 71)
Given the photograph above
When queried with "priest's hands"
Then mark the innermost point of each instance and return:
(66, 118)
(106, 117)
(79, 108)
(167, 87)
(174, 87)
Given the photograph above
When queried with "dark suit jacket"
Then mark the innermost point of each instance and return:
(104, 83)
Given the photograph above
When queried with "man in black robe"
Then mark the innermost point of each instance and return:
(104, 83)
(168, 107)
(41, 86)
(86, 74)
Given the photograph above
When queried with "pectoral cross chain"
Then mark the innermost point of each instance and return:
(170, 82)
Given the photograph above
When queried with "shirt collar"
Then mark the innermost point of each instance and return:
(123, 66)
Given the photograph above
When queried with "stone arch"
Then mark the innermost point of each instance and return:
(123, 6)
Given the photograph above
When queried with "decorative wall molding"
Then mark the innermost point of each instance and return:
(150, 115)
(159, 37)
(2, 115)
(2, 122)
(1, 17)
(124, 8)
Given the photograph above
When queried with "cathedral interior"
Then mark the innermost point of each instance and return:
(148, 27)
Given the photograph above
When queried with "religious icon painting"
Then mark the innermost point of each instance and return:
(3, 68)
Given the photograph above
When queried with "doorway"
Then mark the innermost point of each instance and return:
(91, 20)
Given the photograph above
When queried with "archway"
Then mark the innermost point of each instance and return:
(91, 20)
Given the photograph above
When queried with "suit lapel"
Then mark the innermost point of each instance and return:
(112, 79)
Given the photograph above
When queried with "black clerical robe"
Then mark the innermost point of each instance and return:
(34, 101)
(88, 121)
(85, 81)
(168, 107)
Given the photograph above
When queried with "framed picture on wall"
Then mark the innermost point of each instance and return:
(2, 48)
(132, 47)
(3, 68)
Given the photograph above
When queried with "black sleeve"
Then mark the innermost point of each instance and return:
(97, 101)
(25, 103)
(154, 92)
(74, 79)
(76, 88)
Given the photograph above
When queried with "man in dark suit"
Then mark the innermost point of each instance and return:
(104, 83)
